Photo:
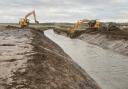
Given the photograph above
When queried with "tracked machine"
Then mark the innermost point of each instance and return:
(24, 22)
(88, 24)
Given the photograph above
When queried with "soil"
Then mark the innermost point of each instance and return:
(116, 40)
(29, 60)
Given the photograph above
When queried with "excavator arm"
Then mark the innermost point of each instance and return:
(77, 25)
(34, 15)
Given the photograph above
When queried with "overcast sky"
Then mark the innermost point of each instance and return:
(64, 10)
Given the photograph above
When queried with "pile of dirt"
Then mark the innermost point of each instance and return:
(63, 31)
(29, 60)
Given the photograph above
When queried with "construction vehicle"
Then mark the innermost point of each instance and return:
(24, 22)
(90, 24)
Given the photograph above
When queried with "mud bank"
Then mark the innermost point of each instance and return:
(29, 60)
(114, 40)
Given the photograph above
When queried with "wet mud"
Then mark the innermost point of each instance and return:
(29, 60)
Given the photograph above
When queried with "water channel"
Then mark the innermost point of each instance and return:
(107, 68)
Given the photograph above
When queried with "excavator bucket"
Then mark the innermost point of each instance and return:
(37, 22)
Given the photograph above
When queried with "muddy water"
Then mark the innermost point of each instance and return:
(108, 69)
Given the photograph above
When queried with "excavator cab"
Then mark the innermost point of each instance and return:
(94, 24)
(24, 22)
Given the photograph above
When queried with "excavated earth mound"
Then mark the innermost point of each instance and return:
(29, 60)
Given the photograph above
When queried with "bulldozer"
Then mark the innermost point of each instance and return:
(24, 22)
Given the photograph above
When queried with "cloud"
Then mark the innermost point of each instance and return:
(62, 11)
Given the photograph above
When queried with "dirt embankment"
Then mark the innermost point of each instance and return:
(29, 60)
(116, 40)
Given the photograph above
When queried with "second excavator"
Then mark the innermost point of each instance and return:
(90, 24)
(24, 22)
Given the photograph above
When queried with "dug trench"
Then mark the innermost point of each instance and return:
(115, 40)
(29, 60)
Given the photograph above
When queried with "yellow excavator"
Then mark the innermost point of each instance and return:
(89, 24)
(24, 22)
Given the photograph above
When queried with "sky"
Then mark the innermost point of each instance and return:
(64, 10)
